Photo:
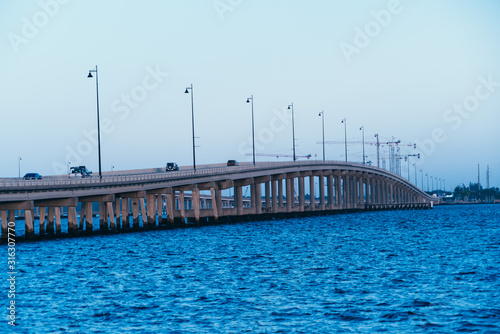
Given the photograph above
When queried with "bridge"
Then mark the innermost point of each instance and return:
(154, 198)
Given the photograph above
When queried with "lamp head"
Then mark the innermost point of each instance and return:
(90, 75)
(186, 92)
(248, 100)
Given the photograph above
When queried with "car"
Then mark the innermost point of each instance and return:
(171, 166)
(82, 170)
(232, 163)
(32, 176)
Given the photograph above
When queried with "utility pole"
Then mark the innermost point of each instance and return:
(378, 150)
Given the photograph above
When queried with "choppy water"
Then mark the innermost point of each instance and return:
(405, 271)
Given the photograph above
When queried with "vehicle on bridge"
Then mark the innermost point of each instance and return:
(82, 170)
(32, 176)
(232, 163)
(171, 166)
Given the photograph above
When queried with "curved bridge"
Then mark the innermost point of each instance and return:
(154, 197)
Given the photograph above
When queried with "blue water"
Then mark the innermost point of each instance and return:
(428, 271)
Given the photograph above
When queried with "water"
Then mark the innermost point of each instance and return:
(400, 271)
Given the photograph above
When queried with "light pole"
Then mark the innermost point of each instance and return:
(427, 174)
(19, 165)
(422, 177)
(253, 131)
(415, 165)
(345, 137)
(322, 114)
(432, 182)
(293, 130)
(98, 122)
(362, 128)
(192, 122)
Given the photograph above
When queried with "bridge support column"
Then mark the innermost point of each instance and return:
(144, 215)
(218, 201)
(196, 204)
(289, 195)
(125, 213)
(312, 195)
(238, 199)
(72, 220)
(3, 218)
(280, 193)
(41, 222)
(170, 207)
(103, 221)
(322, 192)
(258, 198)
(29, 230)
(135, 213)
(330, 194)
(301, 194)
(111, 215)
(50, 221)
(274, 195)
(57, 211)
(118, 218)
(89, 221)
(82, 216)
(268, 195)
(215, 205)
(338, 191)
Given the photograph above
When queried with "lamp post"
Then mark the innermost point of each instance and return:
(362, 128)
(432, 182)
(322, 114)
(422, 177)
(427, 174)
(293, 130)
(19, 165)
(98, 122)
(345, 136)
(190, 88)
(253, 131)
(415, 165)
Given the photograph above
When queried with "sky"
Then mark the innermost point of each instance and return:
(422, 72)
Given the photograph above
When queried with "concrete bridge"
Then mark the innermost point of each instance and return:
(154, 197)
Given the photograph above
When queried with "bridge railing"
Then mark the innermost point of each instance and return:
(161, 174)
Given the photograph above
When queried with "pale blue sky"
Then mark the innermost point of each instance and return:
(429, 56)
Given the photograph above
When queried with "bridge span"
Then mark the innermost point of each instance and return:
(154, 197)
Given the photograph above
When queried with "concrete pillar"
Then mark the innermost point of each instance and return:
(238, 199)
(252, 197)
(50, 221)
(214, 203)
(196, 204)
(72, 220)
(89, 221)
(111, 216)
(125, 213)
(58, 219)
(338, 192)
(274, 195)
(322, 192)
(268, 195)
(218, 201)
(117, 214)
(280, 193)
(41, 224)
(102, 217)
(258, 198)
(144, 214)
(28, 223)
(347, 192)
(3, 218)
(170, 207)
(312, 195)
(135, 213)
(329, 191)
(302, 198)
(289, 195)
(82, 215)
(150, 210)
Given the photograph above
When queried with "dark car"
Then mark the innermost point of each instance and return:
(32, 176)
(82, 170)
(232, 163)
(171, 166)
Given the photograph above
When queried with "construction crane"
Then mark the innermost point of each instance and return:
(281, 155)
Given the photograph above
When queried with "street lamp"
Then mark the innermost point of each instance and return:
(427, 174)
(253, 130)
(98, 122)
(293, 130)
(362, 128)
(345, 137)
(322, 114)
(432, 182)
(422, 177)
(192, 122)
(19, 165)
(415, 165)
